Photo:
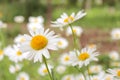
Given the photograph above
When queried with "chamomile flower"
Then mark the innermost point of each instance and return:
(43, 70)
(62, 43)
(19, 19)
(15, 68)
(114, 55)
(115, 34)
(19, 39)
(76, 29)
(68, 77)
(65, 59)
(108, 77)
(95, 69)
(38, 19)
(65, 19)
(16, 55)
(84, 57)
(23, 76)
(60, 69)
(94, 46)
(34, 26)
(3, 25)
(1, 54)
(38, 44)
(80, 77)
(114, 72)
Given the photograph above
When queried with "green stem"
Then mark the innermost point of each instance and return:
(2, 39)
(47, 67)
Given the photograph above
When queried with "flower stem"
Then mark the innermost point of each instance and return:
(2, 39)
(47, 67)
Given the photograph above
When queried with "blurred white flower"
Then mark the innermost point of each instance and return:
(76, 29)
(15, 54)
(65, 59)
(19, 19)
(114, 72)
(62, 43)
(68, 77)
(84, 57)
(19, 39)
(80, 77)
(38, 44)
(95, 69)
(108, 77)
(114, 55)
(92, 46)
(65, 19)
(34, 26)
(3, 25)
(115, 63)
(23, 76)
(15, 68)
(38, 20)
(43, 70)
(115, 34)
(60, 69)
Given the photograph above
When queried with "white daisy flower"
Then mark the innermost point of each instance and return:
(15, 68)
(84, 57)
(115, 63)
(16, 55)
(115, 34)
(95, 69)
(65, 59)
(76, 29)
(65, 19)
(94, 46)
(19, 39)
(62, 43)
(68, 77)
(23, 76)
(114, 55)
(114, 72)
(38, 44)
(1, 55)
(19, 19)
(108, 77)
(43, 70)
(38, 19)
(3, 25)
(60, 69)
(80, 77)
(34, 26)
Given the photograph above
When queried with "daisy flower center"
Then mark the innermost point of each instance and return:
(83, 56)
(38, 42)
(74, 30)
(19, 53)
(70, 18)
(68, 78)
(118, 73)
(45, 70)
(22, 78)
(67, 58)
(22, 40)
(1, 52)
(117, 35)
(108, 78)
(60, 43)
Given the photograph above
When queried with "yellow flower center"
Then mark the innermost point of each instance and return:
(60, 43)
(118, 73)
(83, 56)
(45, 70)
(117, 35)
(22, 78)
(68, 19)
(74, 30)
(108, 78)
(38, 42)
(22, 40)
(68, 78)
(67, 58)
(1, 52)
(19, 53)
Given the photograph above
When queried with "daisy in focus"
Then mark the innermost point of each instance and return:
(23, 76)
(84, 57)
(65, 19)
(76, 29)
(115, 73)
(38, 44)
(43, 70)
